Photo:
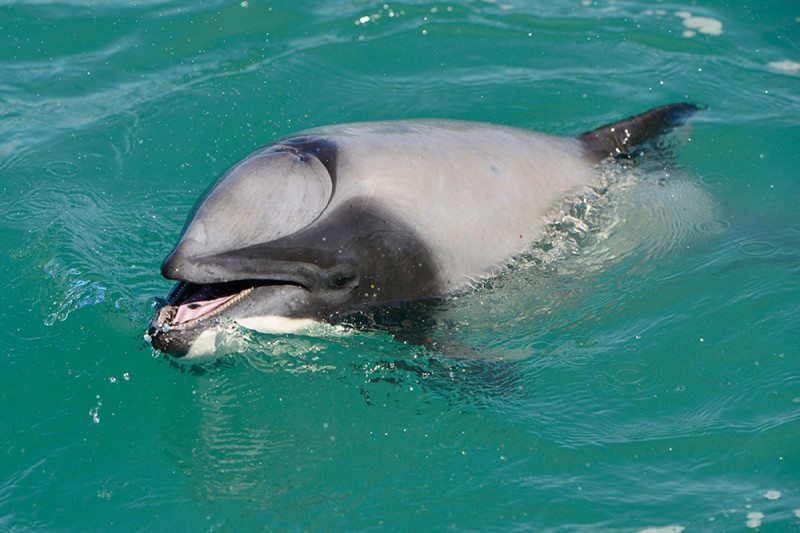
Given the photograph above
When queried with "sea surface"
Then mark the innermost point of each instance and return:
(638, 367)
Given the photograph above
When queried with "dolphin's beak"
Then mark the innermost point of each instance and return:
(192, 308)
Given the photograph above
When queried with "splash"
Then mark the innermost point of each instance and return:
(94, 412)
(618, 232)
(78, 294)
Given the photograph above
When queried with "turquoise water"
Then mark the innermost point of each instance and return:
(638, 368)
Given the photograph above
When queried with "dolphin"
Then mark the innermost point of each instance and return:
(327, 222)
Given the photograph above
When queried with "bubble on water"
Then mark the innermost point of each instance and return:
(664, 529)
(797, 513)
(112, 379)
(126, 376)
(704, 25)
(62, 169)
(772, 494)
(754, 519)
(758, 248)
(714, 226)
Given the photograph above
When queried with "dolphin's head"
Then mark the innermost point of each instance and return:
(272, 248)
(268, 305)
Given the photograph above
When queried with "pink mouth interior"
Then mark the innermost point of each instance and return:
(193, 309)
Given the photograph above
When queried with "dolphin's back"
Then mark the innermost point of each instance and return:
(422, 207)
(474, 193)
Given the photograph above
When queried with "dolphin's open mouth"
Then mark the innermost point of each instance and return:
(198, 314)
(191, 303)
(192, 308)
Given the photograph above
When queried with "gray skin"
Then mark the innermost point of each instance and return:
(326, 222)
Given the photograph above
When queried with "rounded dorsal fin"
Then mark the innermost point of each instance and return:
(619, 137)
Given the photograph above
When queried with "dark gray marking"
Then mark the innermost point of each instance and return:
(359, 256)
(618, 138)
(360, 242)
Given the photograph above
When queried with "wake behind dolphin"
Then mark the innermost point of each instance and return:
(331, 221)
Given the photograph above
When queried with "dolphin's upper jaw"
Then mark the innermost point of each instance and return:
(192, 308)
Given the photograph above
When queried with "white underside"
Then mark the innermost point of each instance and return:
(276, 324)
(220, 340)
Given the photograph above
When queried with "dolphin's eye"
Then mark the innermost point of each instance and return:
(340, 280)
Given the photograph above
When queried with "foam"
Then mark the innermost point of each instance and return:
(785, 65)
(754, 519)
(704, 25)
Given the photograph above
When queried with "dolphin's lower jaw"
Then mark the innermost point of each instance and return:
(192, 309)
